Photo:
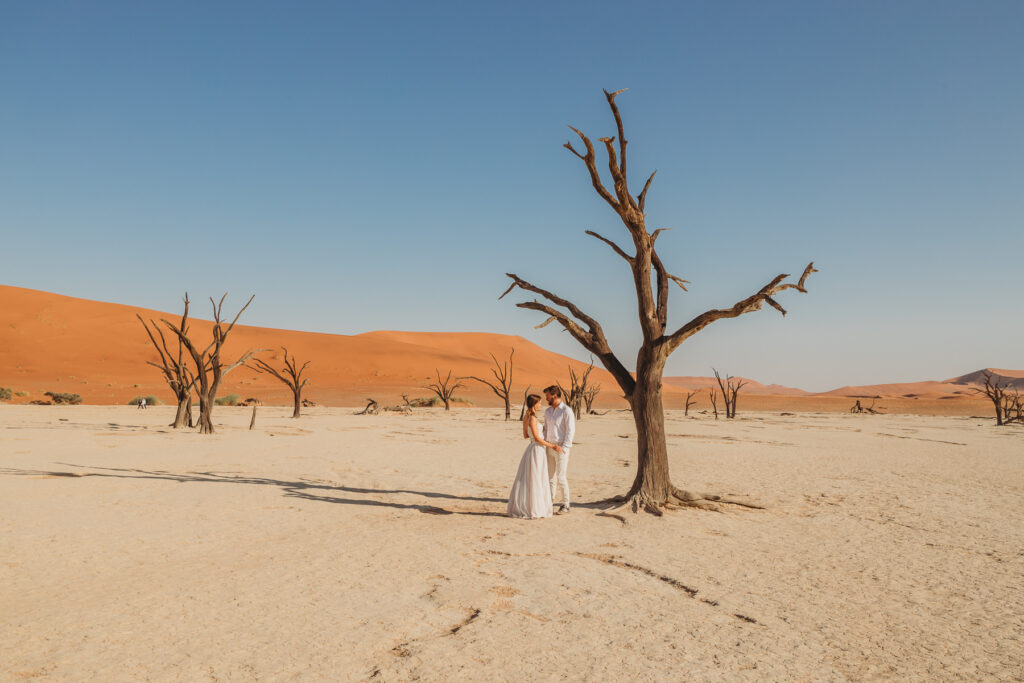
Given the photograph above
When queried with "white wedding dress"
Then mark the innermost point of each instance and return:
(531, 491)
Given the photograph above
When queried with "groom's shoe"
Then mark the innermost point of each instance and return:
(563, 510)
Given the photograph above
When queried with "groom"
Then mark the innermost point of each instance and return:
(559, 428)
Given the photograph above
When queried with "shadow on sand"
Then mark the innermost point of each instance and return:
(304, 488)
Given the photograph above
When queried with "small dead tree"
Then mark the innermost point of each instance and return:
(689, 402)
(174, 368)
(730, 390)
(1008, 406)
(291, 375)
(858, 408)
(589, 395)
(444, 389)
(210, 369)
(575, 395)
(372, 408)
(714, 402)
(652, 488)
(502, 383)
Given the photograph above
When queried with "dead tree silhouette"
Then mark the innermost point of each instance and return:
(652, 487)
(291, 375)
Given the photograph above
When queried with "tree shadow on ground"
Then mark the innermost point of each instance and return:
(305, 489)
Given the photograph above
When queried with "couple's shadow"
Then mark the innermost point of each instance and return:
(306, 489)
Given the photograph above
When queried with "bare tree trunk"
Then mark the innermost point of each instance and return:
(652, 486)
(252, 422)
(689, 402)
(298, 402)
(183, 416)
(205, 415)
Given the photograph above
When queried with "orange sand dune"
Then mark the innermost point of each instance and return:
(50, 342)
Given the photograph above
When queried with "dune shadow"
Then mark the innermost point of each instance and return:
(303, 488)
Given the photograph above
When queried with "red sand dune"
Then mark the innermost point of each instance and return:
(50, 342)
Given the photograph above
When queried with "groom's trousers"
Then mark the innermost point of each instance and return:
(558, 466)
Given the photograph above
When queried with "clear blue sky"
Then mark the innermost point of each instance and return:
(381, 165)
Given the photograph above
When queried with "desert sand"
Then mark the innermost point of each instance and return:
(337, 547)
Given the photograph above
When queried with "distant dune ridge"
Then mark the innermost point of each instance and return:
(50, 342)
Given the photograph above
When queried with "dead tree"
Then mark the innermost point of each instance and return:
(372, 408)
(210, 369)
(858, 408)
(291, 375)
(730, 390)
(689, 402)
(575, 395)
(502, 383)
(1008, 406)
(714, 401)
(589, 395)
(652, 487)
(174, 368)
(444, 388)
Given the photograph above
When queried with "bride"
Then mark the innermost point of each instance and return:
(531, 491)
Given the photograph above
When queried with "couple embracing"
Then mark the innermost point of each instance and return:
(542, 471)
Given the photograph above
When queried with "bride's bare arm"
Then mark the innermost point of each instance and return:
(536, 435)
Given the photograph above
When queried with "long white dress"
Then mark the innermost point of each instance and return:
(531, 491)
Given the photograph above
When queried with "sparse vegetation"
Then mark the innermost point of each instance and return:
(6, 394)
(229, 400)
(64, 399)
(150, 401)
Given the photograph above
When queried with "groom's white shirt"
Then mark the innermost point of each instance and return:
(560, 425)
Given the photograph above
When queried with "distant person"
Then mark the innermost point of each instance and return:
(531, 495)
(559, 428)
(142, 404)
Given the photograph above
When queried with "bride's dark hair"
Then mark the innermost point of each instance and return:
(532, 400)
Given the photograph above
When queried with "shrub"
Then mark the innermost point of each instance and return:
(68, 399)
(229, 400)
(150, 401)
(6, 394)
(434, 402)
(21, 393)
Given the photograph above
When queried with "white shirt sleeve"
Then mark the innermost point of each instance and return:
(569, 429)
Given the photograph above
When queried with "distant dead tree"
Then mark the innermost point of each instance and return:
(1008, 406)
(526, 394)
(714, 401)
(371, 408)
(689, 402)
(730, 390)
(210, 369)
(174, 368)
(444, 388)
(652, 487)
(858, 408)
(589, 395)
(502, 383)
(575, 395)
(291, 375)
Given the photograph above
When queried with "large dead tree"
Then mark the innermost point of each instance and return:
(210, 369)
(1009, 406)
(652, 487)
(444, 388)
(730, 390)
(174, 368)
(291, 375)
(501, 385)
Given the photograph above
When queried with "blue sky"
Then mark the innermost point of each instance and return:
(381, 165)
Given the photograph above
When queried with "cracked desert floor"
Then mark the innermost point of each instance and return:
(340, 547)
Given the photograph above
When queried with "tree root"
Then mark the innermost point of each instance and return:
(677, 500)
